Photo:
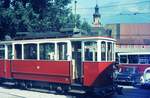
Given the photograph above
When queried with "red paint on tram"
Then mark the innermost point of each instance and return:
(97, 73)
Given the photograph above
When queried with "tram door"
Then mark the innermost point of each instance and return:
(76, 61)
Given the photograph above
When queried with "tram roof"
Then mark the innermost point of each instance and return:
(134, 53)
(60, 39)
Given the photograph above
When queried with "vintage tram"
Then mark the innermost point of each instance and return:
(132, 66)
(61, 64)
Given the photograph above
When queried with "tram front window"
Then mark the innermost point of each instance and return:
(109, 51)
(62, 51)
(90, 51)
(47, 51)
(30, 51)
(103, 51)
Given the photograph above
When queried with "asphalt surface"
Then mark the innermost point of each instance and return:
(128, 92)
(134, 92)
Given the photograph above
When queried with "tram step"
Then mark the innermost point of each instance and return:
(39, 90)
(77, 91)
(76, 84)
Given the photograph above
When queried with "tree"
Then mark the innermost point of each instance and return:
(13, 19)
(35, 16)
(5, 3)
(85, 26)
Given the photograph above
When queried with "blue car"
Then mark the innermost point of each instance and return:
(128, 75)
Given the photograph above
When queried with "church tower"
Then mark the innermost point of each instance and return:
(96, 17)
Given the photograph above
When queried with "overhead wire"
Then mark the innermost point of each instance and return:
(120, 14)
(121, 4)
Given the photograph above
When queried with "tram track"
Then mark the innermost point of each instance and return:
(69, 94)
(12, 95)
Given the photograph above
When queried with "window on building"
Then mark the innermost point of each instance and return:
(9, 51)
(90, 48)
(18, 51)
(109, 51)
(123, 59)
(2, 52)
(47, 51)
(103, 51)
(133, 59)
(30, 51)
(62, 51)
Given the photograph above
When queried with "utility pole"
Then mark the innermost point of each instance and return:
(75, 19)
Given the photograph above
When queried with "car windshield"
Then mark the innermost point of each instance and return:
(127, 70)
(148, 71)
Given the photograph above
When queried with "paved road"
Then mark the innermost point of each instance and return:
(17, 93)
(129, 92)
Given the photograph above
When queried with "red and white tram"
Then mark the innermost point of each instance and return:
(59, 63)
(140, 60)
(132, 66)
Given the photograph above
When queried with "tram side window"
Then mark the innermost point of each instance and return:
(2, 51)
(47, 51)
(109, 51)
(123, 58)
(9, 51)
(62, 51)
(144, 59)
(18, 51)
(148, 59)
(103, 51)
(90, 51)
(30, 51)
(133, 59)
(2, 54)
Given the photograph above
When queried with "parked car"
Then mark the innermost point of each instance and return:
(128, 75)
(145, 78)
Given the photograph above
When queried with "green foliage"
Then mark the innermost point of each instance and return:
(36, 16)
(86, 26)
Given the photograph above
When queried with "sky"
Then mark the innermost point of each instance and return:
(115, 11)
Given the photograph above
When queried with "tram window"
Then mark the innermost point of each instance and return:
(103, 51)
(47, 51)
(9, 51)
(123, 58)
(113, 53)
(2, 54)
(90, 51)
(62, 51)
(109, 51)
(144, 59)
(18, 51)
(133, 59)
(2, 46)
(30, 51)
(2, 51)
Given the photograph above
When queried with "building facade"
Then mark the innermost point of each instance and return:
(131, 37)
